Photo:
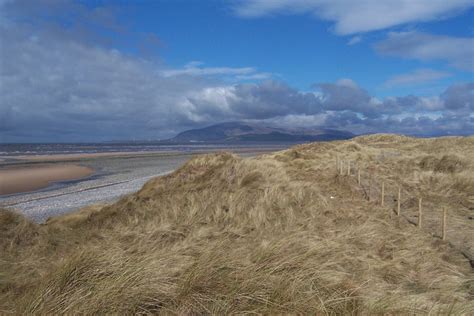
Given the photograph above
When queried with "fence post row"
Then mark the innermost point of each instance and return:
(340, 169)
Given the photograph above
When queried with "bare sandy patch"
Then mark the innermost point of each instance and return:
(30, 178)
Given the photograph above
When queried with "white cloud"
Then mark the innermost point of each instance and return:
(457, 51)
(298, 120)
(434, 103)
(359, 16)
(193, 64)
(72, 91)
(416, 77)
(211, 103)
(355, 40)
(211, 71)
(346, 82)
(197, 69)
(255, 76)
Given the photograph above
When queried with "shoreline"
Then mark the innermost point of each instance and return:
(12, 160)
(68, 157)
(116, 174)
(15, 180)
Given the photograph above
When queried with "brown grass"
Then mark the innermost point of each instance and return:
(280, 233)
(446, 163)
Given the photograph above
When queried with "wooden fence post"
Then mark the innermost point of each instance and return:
(348, 167)
(341, 167)
(370, 185)
(358, 176)
(398, 200)
(420, 213)
(383, 193)
(444, 223)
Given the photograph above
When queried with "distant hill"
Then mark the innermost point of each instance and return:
(246, 132)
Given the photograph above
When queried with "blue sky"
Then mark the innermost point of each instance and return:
(102, 70)
(299, 49)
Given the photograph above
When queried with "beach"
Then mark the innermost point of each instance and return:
(41, 186)
(31, 178)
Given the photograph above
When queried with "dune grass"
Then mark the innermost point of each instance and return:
(280, 233)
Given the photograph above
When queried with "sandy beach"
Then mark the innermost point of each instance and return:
(28, 178)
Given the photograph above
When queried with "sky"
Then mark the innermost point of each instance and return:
(91, 71)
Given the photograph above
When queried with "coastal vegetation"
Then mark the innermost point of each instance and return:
(279, 233)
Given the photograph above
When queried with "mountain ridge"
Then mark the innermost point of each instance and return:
(251, 132)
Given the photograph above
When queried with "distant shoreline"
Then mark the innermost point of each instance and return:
(122, 154)
(68, 157)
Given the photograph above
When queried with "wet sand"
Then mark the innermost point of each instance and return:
(17, 179)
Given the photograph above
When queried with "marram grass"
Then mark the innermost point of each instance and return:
(280, 233)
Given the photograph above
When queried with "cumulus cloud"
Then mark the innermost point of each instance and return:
(459, 97)
(74, 91)
(346, 95)
(457, 51)
(416, 77)
(352, 17)
(271, 99)
(255, 101)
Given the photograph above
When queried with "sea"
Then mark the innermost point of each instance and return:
(12, 150)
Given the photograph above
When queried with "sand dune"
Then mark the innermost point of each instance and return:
(30, 178)
(283, 233)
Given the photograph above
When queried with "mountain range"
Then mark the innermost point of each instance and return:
(250, 132)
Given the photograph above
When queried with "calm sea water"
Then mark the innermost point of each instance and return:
(11, 150)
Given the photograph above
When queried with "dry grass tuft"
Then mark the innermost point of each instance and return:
(280, 233)
(16, 231)
(446, 164)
